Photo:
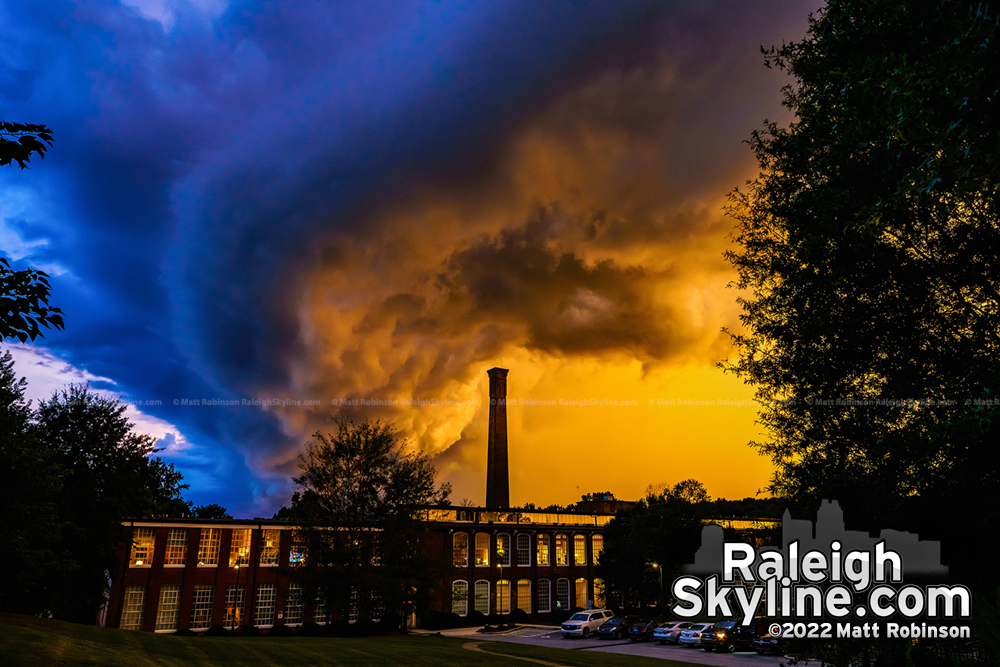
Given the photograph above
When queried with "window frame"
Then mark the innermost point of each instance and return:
(163, 620)
(209, 545)
(460, 554)
(143, 546)
(175, 555)
(462, 601)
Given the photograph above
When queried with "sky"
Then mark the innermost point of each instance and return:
(258, 216)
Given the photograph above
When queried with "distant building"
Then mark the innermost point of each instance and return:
(189, 574)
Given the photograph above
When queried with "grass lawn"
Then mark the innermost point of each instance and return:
(28, 642)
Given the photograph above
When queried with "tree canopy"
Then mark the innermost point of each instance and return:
(24, 295)
(71, 471)
(361, 481)
(868, 256)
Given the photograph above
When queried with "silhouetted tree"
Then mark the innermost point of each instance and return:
(360, 482)
(24, 295)
(32, 549)
(109, 475)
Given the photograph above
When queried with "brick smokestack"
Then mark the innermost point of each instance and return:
(497, 478)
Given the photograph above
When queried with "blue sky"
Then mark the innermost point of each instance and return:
(328, 202)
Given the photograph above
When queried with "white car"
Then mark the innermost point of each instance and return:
(583, 623)
(692, 636)
(670, 631)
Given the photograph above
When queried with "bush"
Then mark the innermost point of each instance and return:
(520, 616)
(339, 628)
(436, 620)
(280, 631)
(475, 618)
(312, 630)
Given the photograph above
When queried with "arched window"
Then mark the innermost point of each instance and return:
(579, 549)
(523, 549)
(599, 593)
(482, 550)
(482, 600)
(562, 550)
(543, 550)
(596, 546)
(562, 594)
(460, 597)
(460, 550)
(544, 600)
(503, 549)
(581, 593)
(503, 596)
(524, 595)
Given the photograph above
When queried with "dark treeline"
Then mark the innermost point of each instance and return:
(71, 470)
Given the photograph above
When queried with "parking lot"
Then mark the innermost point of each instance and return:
(552, 638)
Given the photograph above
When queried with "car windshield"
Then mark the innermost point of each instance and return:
(726, 625)
(613, 621)
(702, 626)
(580, 617)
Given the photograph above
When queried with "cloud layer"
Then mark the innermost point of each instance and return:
(356, 202)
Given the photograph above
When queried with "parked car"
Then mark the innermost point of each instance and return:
(728, 636)
(692, 636)
(768, 644)
(584, 623)
(669, 632)
(642, 631)
(617, 627)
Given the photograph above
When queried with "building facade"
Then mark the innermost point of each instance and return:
(180, 574)
(194, 575)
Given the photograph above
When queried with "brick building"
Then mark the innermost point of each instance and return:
(180, 574)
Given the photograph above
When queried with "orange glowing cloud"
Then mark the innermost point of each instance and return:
(586, 257)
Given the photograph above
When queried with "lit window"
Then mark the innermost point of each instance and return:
(143, 540)
(562, 594)
(270, 546)
(132, 607)
(297, 554)
(597, 546)
(482, 550)
(201, 607)
(460, 597)
(208, 546)
(239, 547)
(460, 549)
(524, 595)
(235, 598)
(503, 550)
(598, 592)
(293, 604)
(503, 596)
(562, 550)
(177, 546)
(579, 549)
(482, 599)
(524, 549)
(544, 595)
(377, 607)
(264, 613)
(581, 593)
(170, 605)
(543, 550)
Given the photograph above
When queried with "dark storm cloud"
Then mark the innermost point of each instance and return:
(551, 299)
(236, 194)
